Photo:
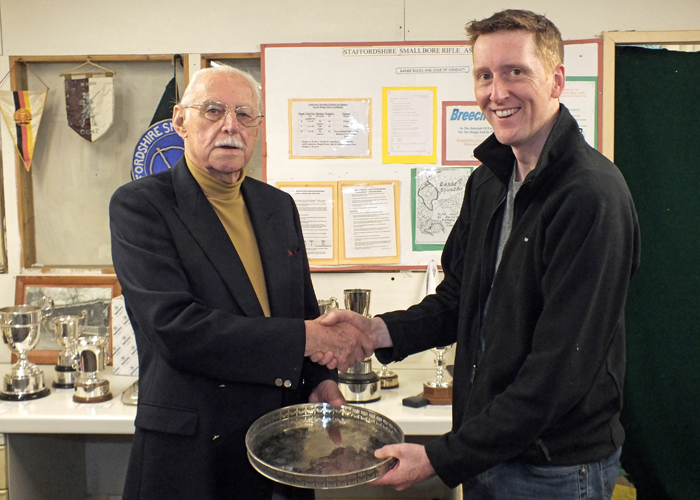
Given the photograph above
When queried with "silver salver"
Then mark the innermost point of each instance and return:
(319, 446)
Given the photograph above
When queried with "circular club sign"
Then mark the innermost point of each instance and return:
(157, 150)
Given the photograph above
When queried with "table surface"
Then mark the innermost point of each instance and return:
(59, 414)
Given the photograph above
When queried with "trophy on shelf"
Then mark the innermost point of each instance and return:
(92, 356)
(325, 305)
(387, 378)
(65, 330)
(438, 390)
(20, 331)
(359, 384)
(130, 395)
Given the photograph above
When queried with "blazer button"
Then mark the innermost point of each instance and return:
(287, 383)
(278, 382)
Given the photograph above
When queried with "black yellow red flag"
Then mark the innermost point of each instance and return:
(22, 111)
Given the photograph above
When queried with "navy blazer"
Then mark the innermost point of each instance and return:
(210, 363)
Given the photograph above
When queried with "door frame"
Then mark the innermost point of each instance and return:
(610, 40)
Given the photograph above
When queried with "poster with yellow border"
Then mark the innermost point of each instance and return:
(369, 222)
(409, 124)
(316, 203)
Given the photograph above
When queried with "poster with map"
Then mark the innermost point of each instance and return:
(436, 198)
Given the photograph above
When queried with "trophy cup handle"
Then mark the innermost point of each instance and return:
(334, 303)
(46, 307)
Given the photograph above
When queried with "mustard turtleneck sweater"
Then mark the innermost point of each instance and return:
(229, 205)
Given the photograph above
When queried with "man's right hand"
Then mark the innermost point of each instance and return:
(340, 345)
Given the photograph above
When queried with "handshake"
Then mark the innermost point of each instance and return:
(342, 338)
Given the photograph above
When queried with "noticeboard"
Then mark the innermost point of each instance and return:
(398, 112)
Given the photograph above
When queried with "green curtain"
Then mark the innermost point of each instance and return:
(657, 148)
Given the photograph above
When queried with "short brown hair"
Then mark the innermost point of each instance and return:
(550, 48)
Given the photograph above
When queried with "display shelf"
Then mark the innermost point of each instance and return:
(59, 414)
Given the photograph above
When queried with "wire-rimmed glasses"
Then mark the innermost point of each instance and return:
(215, 111)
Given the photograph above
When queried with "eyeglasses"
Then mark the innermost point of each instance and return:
(215, 111)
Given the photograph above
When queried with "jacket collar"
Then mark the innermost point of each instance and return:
(560, 144)
(275, 257)
(204, 225)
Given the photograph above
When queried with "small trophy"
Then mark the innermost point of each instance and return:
(387, 378)
(20, 331)
(65, 330)
(130, 395)
(325, 305)
(439, 390)
(92, 355)
(359, 384)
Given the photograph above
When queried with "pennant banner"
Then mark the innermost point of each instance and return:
(90, 104)
(22, 110)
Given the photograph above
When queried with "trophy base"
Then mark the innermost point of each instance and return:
(65, 377)
(359, 388)
(130, 396)
(361, 393)
(59, 385)
(5, 396)
(438, 395)
(92, 393)
(389, 380)
(24, 382)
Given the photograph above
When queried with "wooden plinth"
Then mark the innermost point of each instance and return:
(438, 395)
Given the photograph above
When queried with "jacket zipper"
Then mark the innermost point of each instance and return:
(480, 346)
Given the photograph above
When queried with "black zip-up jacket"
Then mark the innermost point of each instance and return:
(548, 387)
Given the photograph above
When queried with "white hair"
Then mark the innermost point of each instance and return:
(223, 69)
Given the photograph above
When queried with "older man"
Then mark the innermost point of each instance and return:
(216, 281)
(536, 274)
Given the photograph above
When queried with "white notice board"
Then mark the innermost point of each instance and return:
(326, 115)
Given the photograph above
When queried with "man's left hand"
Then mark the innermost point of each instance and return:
(413, 467)
(328, 392)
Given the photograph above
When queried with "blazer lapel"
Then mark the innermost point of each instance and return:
(275, 261)
(204, 225)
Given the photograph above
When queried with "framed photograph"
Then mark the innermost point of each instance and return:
(71, 296)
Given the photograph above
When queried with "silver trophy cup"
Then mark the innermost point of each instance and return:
(325, 305)
(439, 390)
(92, 356)
(65, 330)
(358, 300)
(359, 384)
(20, 331)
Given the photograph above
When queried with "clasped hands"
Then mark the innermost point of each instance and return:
(342, 338)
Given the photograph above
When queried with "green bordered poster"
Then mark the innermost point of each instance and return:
(436, 199)
(580, 96)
